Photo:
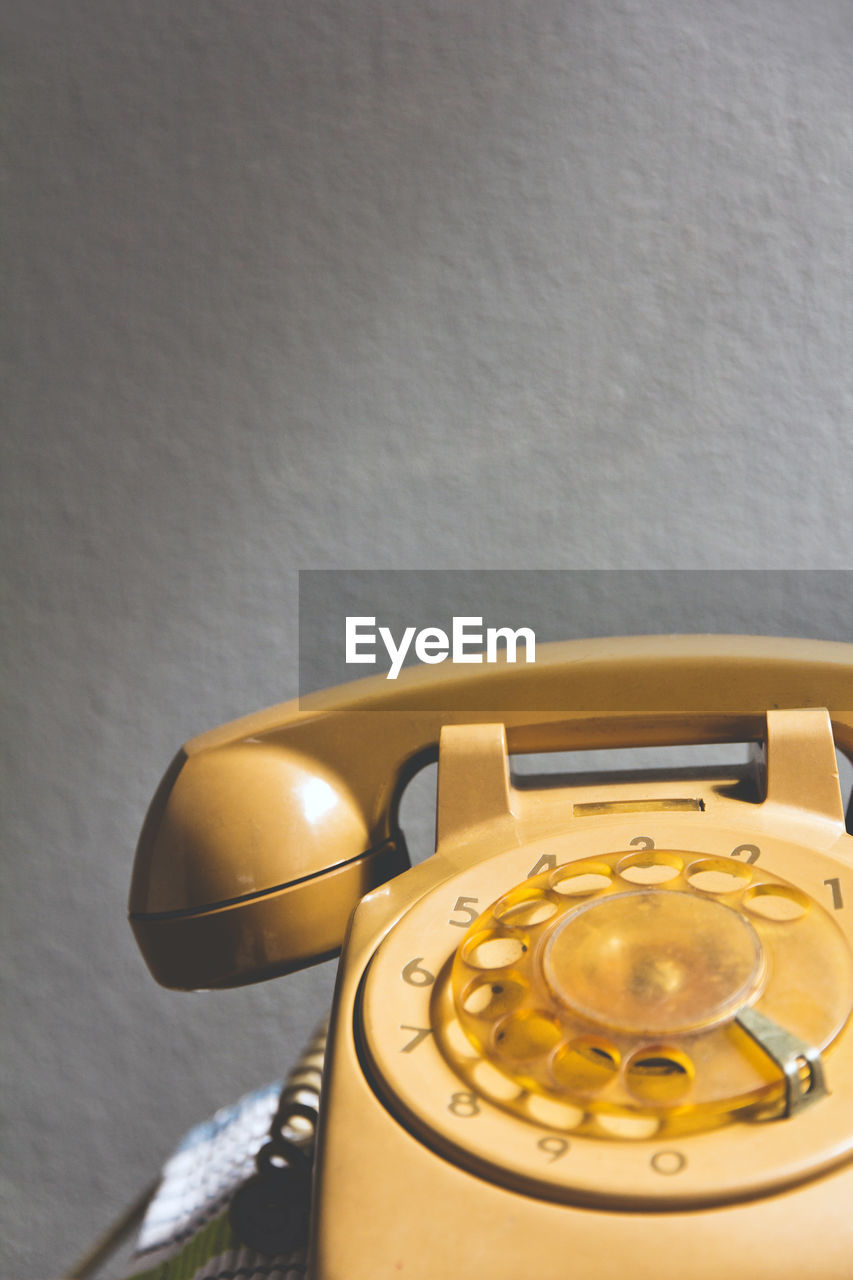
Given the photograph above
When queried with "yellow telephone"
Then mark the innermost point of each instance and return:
(603, 1030)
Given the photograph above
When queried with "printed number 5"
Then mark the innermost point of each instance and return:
(463, 904)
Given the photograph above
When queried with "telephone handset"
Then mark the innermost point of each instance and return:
(604, 1028)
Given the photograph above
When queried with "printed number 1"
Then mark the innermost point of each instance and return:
(835, 885)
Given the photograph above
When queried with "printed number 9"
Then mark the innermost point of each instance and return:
(553, 1146)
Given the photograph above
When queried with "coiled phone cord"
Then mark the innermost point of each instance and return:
(270, 1213)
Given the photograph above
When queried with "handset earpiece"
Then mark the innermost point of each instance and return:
(265, 833)
(249, 864)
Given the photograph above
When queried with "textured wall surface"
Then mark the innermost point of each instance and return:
(377, 285)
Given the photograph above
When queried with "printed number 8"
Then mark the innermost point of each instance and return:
(464, 1105)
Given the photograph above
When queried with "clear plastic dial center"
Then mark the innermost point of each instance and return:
(654, 963)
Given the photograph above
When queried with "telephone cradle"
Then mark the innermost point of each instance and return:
(604, 1030)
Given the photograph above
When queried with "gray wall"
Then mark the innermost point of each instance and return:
(377, 285)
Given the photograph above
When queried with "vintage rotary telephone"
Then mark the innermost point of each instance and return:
(604, 1030)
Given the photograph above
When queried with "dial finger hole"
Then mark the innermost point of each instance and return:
(650, 867)
(489, 999)
(588, 1063)
(492, 950)
(660, 1074)
(578, 879)
(718, 876)
(457, 1041)
(776, 902)
(555, 1115)
(494, 1084)
(532, 909)
(628, 1127)
(528, 1034)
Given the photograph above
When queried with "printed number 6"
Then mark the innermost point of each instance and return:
(416, 975)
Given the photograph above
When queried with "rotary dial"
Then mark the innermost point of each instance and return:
(616, 1024)
(615, 985)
